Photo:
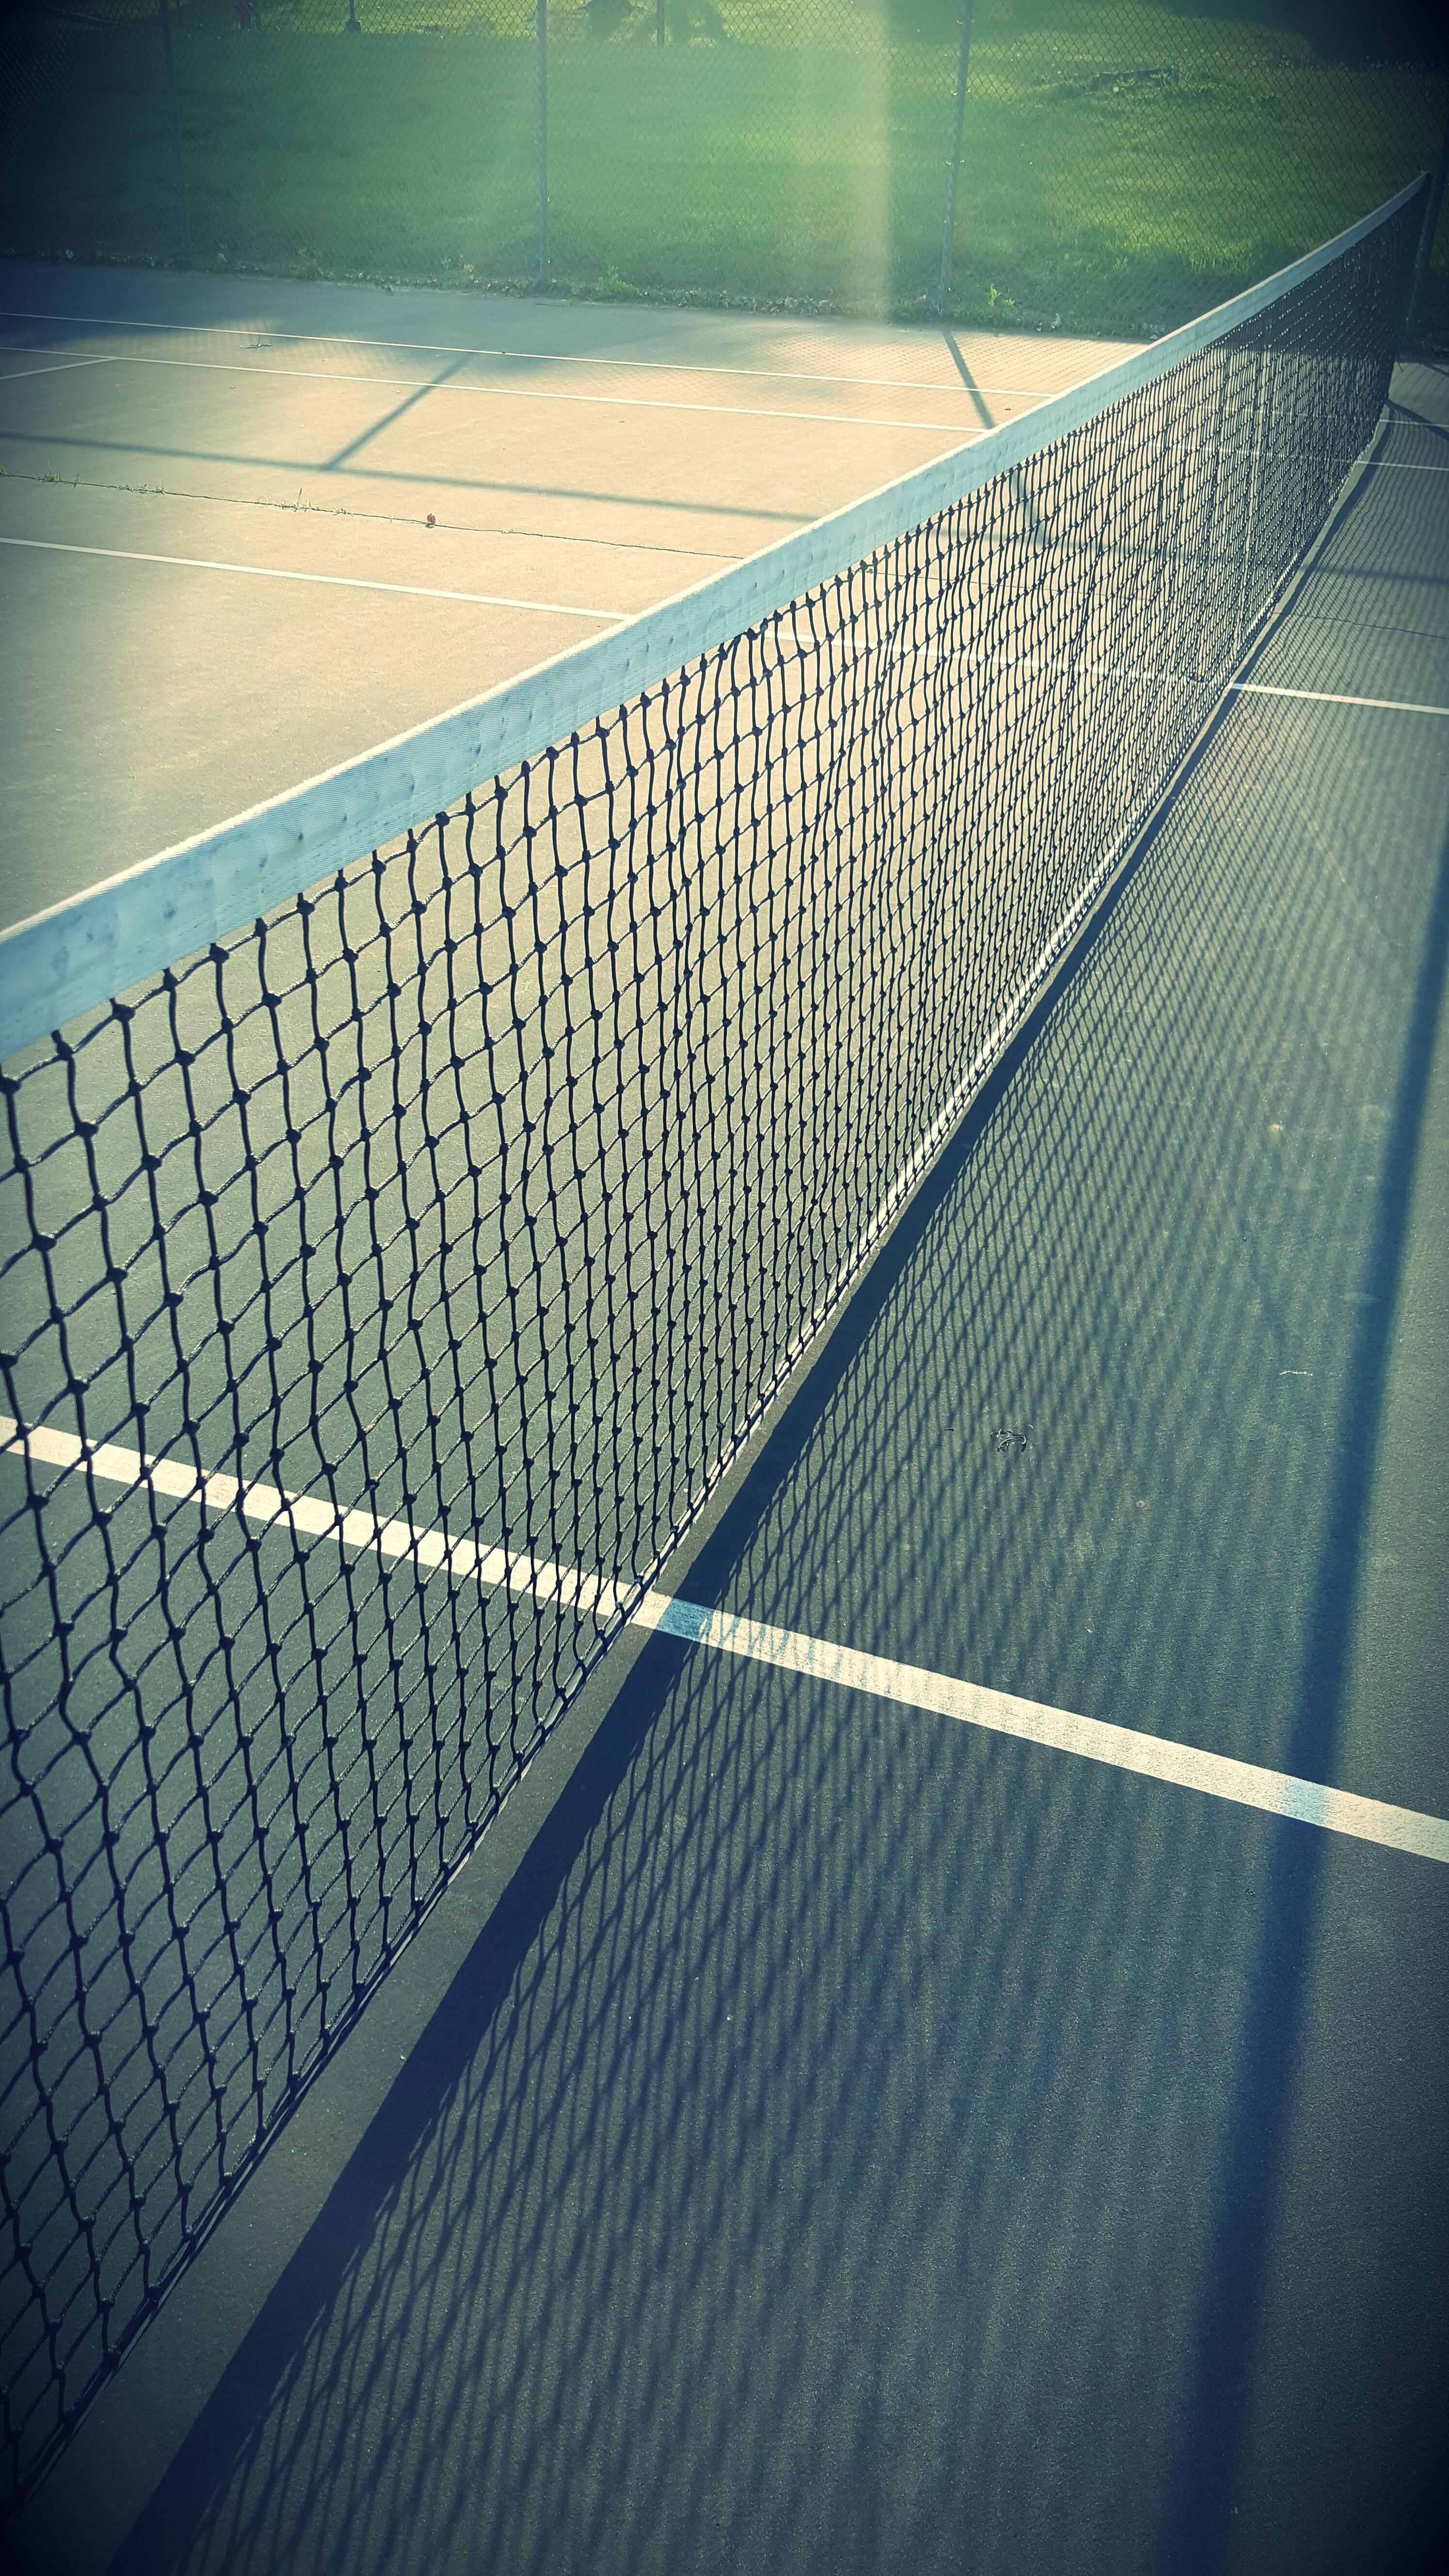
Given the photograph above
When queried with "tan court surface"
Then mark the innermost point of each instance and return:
(217, 572)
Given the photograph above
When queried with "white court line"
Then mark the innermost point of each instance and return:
(973, 659)
(537, 393)
(528, 357)
(1331, 698)
(331, 580)
(1398, 465)
(1152, 1757)
(58, 367)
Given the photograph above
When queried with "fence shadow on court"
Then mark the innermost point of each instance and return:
(836, 2135)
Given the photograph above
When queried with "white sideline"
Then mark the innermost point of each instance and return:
(329, 580)
(536, 393)
(1123, 1748)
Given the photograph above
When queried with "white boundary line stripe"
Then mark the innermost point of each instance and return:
(1123, 1748)
(1331, 698)
(527, 357)
(331, 580)
(314, 1517)
(532, 393)
(85, 950)
(57, 367)
(1154, 1757)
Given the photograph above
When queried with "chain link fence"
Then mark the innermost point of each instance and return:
(1092, 165)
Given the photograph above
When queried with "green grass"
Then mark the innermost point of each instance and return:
(1123, 167)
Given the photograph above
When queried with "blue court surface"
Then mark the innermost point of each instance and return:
(915, 2081)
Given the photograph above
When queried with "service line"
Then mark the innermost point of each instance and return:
(328, 580)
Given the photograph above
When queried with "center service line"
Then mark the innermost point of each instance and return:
(1154, 1757)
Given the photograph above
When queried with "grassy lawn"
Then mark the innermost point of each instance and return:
(1123, 165)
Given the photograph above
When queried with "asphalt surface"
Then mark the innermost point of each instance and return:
(857, 2141)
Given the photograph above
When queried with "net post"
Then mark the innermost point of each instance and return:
(658, 22)
(953, 160)
(1432, 212)
(178, 168)
(542, 94)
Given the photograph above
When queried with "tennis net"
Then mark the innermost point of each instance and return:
(416, 1192)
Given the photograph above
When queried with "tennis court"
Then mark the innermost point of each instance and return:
(252, 529)
(935, 2060)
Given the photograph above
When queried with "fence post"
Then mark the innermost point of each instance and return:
(1432, 212)
(178, 170)
(543, 142)
(953, 165)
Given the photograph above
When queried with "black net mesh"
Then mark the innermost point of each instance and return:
(385, 1287)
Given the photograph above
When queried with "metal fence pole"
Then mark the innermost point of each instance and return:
(658, 22)
(1432, 212)
(953, 165)
(543, 142)
(178, 170)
